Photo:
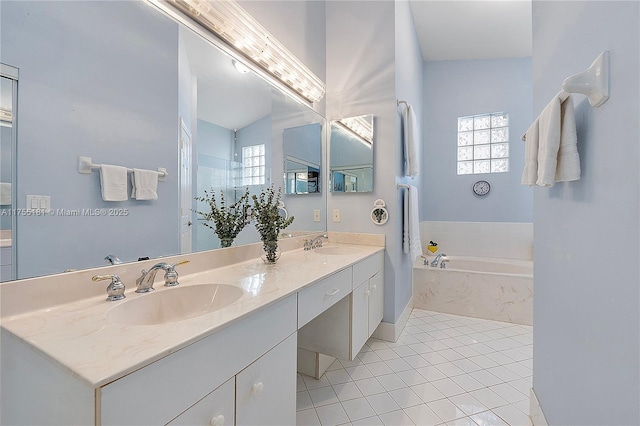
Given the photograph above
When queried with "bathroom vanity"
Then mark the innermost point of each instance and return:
(78, 364)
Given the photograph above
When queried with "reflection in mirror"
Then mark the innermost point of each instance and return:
(302, 159)
(143, 92)
(351, 154)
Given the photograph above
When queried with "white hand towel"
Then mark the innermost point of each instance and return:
(551, 153)
(410, 136)
(114, 183)
(145, 184)
(406, 239)
(414, 224)
(5, 193)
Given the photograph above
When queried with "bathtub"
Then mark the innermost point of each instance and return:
(489, 288)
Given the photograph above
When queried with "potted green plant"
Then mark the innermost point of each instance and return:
(228, 221)
(269, 222)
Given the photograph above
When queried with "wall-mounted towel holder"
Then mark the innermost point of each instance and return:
(85, 166)
(593, 83)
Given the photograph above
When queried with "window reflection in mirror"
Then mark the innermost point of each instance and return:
(351, 154)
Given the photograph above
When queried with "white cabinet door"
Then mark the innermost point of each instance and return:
(359, 318)
(217, 408)
(266, 390)
(376, 300)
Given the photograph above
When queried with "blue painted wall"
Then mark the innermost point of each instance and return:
(455, 89)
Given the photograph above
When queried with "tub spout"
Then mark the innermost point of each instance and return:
(437, 259)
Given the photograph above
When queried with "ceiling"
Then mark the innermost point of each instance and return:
(447, 30)
(226, 97)
(476, 29)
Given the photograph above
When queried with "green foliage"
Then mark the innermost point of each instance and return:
(269, 223)
(228, 221)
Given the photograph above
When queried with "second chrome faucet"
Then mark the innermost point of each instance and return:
(144, 284)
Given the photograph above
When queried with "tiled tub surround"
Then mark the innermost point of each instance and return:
(489, 288)
(62, 319)
(484, 239)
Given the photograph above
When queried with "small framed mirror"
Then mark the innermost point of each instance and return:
(351, 154)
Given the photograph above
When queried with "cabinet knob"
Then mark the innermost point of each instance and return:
(256, 389)
(217, 420)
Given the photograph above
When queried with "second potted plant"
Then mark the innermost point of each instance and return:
(269, 222)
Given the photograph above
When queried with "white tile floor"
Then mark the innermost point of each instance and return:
(444, 369)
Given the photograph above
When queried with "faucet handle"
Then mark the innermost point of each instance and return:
(171, 275)
(115, 289)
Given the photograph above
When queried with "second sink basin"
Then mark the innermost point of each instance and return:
(335, 250)
(174, 304)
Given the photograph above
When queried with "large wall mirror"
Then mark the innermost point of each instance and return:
(351, 154)
(126, 85)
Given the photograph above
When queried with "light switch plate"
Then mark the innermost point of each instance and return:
(316, 215)
(39, 202)
(336, 215)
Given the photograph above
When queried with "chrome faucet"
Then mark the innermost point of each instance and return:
(112, 260)
(145, 282)
(314, 242)
(437, 259)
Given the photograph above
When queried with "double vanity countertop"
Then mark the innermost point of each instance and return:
(82, 339)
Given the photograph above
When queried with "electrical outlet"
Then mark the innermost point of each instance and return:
(316, 215)
(336, 215)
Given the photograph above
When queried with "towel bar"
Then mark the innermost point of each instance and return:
(85, 165)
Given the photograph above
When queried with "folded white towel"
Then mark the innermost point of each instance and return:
(410, 139)
(551, 153)
(114, 182)
(414, 224)
(5, 193)
(145, 184)
(406, 233)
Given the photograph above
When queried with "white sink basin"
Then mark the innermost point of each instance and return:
(335, 250)
(174, 304)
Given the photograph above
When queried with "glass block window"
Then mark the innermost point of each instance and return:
(483, 144)
(253, 168)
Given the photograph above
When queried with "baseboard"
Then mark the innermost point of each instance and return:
(535, 411)
(390, 332)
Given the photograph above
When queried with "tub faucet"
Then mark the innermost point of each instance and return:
(145, 282)
(437, 259)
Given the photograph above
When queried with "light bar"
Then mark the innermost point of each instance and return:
(231, 23)
(361, 125)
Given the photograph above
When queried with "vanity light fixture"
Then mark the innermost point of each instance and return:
(245, 35)
(360, 126)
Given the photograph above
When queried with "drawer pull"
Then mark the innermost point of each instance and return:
(366, 293)
(333, 293)
(373, 286)
(217, 420)
(256, 389)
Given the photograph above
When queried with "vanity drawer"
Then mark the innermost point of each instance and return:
(159, 392)
(217, 408)
(317, 298)
(365, 269)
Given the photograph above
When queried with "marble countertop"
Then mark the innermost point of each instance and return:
(80, 337)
